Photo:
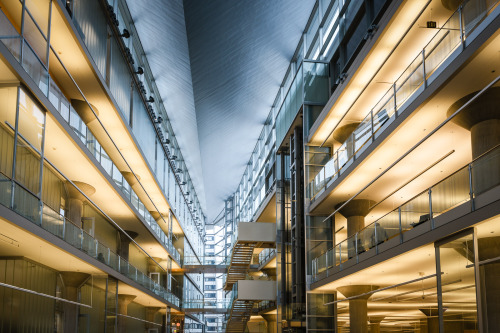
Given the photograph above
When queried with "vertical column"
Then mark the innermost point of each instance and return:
(150, 316)
(76, 200)
(123, 302)
(358, 307)
(375, 323)
(124, 245)
(432, 315)
(355, 212)
(272, 325)
(482, 118)
(72, 282)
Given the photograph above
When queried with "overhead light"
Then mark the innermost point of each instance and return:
(139, 71)
(158, 119)
(125, 34)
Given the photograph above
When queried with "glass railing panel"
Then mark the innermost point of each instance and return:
(341, 251)
(26, 204)
(114, 261)
(330, 258)
(415, 212)
(450, 192)
(9, 36)
(409, 81)
(5, 190)
(442, 44)
(35, 69)
(52, 221)
(72, 234)
(362, 133)
(366, 238)
(383, 111)
(88, 244)
(103, 254)
(474, 11)
(486, 172)
(387, 227)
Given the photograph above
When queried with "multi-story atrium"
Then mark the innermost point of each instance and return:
(250, 166)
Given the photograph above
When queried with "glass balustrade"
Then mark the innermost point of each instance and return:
(421, 71)
(28, 205)
(444, 196)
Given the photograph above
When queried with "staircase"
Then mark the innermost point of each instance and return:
(241, 311)
(240, 262)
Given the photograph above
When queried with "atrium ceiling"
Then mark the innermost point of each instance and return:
(218, 65)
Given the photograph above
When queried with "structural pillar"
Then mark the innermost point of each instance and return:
(150, 316)
(342, 133)
(123, 248)
(358, 307)
(355, 212)
(76, 200)
(272, 322)
(482, 119)
(432, 315)
(72, 282)
(123, 302)
(375, 323)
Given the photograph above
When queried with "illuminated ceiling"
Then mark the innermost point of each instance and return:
(218, 75)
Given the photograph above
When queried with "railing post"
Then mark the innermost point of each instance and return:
(460, 20)
(81, 239)
(109, 257)
(376, 238)
(471, 189)
(423, 68)
(340, 256)
(400, 227)
(64, 228)
(326, 262)
(96, 245)
(356, 247)
(394, 98)
(371, 118)
(431, 215)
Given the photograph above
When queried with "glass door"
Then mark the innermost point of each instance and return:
(457, 289)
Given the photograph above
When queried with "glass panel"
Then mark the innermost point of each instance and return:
(5, 190)
(486, 172)
(9, 36)
(415, 212)
(26, 204)
(31, 120)
(458, 285)
(28, 167)
(451, 192)
(52, 221)
(442, 44)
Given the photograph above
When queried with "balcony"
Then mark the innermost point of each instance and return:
(450, 40)
(463, 192)
(17, 198)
